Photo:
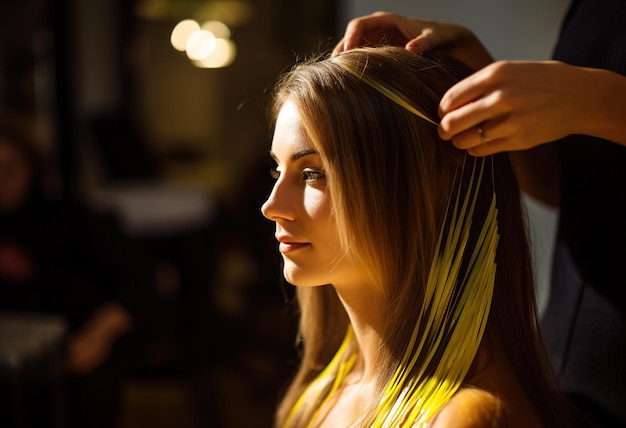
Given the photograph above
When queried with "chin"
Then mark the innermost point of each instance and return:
(297, 277)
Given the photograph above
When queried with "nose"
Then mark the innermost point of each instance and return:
(279, 205)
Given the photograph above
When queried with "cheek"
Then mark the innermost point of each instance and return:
(317, 205)
(325, 227)
(319, 208)
(328, 238)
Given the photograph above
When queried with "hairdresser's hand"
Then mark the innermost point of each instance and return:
(416, 35)
(520, 105)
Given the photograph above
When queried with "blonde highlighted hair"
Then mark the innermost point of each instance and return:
(390, 178)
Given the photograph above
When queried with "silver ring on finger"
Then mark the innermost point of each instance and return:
(481, 134)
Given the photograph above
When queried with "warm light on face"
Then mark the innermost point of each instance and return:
(300, 206)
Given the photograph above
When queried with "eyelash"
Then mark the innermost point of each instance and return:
(312, 175)
(308, 174)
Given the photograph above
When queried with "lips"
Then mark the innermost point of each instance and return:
(287, 244)
(288, 247)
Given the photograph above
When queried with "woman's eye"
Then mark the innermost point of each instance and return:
(311, 175)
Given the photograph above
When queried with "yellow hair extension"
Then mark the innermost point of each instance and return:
(412, 398)
(340, 366)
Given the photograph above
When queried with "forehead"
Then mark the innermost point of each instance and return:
(289, 133)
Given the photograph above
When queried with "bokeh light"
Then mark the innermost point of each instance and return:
(223, 55)
(181, 33)
(200, 44)
(207, 45)
(218, 28)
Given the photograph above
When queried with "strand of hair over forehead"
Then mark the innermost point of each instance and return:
(385, 90)
(450, 326)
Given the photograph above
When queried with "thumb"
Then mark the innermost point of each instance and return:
(419, 44)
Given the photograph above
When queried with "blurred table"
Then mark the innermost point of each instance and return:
(155, 209)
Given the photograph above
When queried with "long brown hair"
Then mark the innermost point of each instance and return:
(390, 178)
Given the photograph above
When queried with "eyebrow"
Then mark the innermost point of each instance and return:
(299, 154)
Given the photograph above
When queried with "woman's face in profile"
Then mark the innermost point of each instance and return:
(300, 205)
(15, 178)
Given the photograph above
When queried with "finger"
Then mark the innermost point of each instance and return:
(465, 118)
(477, 136)
(464, 92)
(492, 147)
(360, 28)
(419, 44)
(372, 29)
(339, 48)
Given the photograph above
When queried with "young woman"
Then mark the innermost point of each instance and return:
(409, 256)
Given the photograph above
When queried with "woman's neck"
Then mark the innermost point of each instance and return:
(367, 317)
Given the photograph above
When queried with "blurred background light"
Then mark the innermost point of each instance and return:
(181, 33)
(200, 44)
(223, 55)
(207, 46)
(218, 28)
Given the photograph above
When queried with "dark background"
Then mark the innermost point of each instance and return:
(176, 156)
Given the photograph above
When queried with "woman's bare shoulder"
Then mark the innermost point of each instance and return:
(477, 408)
(470, 408)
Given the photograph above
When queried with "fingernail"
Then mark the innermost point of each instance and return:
(414, 47)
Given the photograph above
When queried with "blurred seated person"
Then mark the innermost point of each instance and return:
(58, 258)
